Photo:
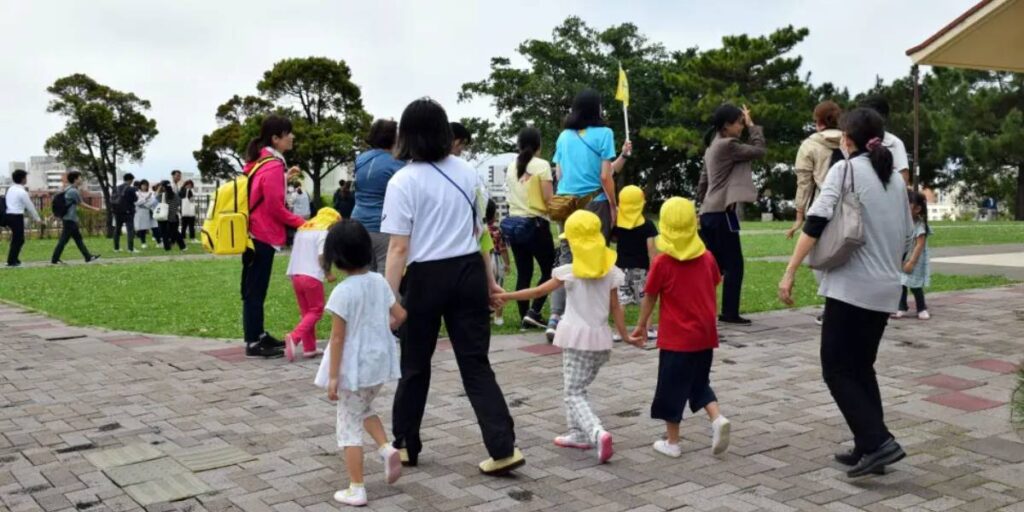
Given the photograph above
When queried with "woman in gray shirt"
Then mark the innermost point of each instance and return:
(861, 293)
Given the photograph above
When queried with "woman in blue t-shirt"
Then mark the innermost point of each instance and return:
(374, 169)
(585, 165)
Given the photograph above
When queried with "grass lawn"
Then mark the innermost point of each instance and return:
(42, 249)
(201, 297)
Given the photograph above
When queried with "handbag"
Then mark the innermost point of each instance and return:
(188, 208)
(561, 207)
(162, 212)
(517, 230)
(844, 233)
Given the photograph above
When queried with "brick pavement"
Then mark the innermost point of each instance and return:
(68, 395)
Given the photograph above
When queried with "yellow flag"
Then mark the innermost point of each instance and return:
(622, 92)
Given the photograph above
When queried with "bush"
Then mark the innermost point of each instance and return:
(1017, 403)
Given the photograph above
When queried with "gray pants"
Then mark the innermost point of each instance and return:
(564, 256)
(579, 369)
(380, 251)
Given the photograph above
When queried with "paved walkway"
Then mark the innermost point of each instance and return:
(94, 420)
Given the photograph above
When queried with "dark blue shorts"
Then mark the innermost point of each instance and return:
(682, 377)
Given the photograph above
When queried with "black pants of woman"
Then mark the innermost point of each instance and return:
(142, 235)
(171, 235)
(720, 233)
(849, 345)
(453, 290)
(188, 225)
(257, 265)
(541, 247)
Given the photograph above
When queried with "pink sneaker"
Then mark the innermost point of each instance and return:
(311, 355)
(604, 446)
(289, 347)
(569, 442)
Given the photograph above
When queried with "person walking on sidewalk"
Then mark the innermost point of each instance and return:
(19, 204)
(71, 199)
(432, 210)
(123, 204)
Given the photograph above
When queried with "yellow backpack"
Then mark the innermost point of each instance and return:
(226, 228)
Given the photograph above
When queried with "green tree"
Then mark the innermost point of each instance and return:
(222, 153)
(103, 127)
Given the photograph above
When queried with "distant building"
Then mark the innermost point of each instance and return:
(492, 173)
(943, 204)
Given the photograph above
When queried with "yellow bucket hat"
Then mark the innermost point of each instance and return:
(325, 218)
(678, 230)
(631, 207)
(591, 257)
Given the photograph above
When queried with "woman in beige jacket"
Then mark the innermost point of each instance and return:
(815, 157)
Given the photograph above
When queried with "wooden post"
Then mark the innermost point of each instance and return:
(917, 128)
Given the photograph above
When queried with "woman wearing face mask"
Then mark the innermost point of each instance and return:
(725, 182)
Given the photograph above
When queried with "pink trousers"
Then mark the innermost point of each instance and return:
(309, 292)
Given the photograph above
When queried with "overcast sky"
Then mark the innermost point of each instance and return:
(189, 56)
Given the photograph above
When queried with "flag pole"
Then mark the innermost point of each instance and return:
(625, 117)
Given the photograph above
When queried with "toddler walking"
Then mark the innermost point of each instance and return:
(634, 237)
(916, 273)
(684, 278)
(362, 354)
(498, 253)
(591, 282)
(307, 270)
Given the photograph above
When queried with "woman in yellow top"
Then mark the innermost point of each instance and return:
(528, 182)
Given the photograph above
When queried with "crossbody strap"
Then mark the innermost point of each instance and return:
(472, 205)
(587, 144)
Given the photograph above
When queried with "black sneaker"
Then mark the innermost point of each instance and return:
(735, 320)
(533, 320)
(58, 262)
(92, 258)
(261, 350)
(888, 453)
(852, 457)
(271, 341)
(13, 265)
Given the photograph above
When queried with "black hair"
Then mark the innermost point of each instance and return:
(878, 103)
(586, 111)
(187, 183)
(528, 144)
(382, 134)
(491, 213)
(424, 134)
(144, 182)
(271, 126)
(73, 176)
(348, 246)
(18, 176)
(459, 132)
(918, 199)
(129, 177)
(862, 125)
(726, 113)
(136, 183)
(175, 172)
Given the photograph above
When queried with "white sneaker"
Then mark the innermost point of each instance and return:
(144, 246)
(898, 315)
(720, 435)
(667, 449)
(652, 333)
(117, 250)
(498, 320)
(923, 315)
(392, 464)
(353, 496)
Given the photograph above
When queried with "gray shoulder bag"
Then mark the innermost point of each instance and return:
(844, 233)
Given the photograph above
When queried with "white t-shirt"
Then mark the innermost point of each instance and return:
(306, 251)
(584, 326)
(434, 212)
(370, 355)
(898, 150)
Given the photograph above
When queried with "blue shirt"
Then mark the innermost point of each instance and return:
(72, 198)
(580, 155)
(374, 169)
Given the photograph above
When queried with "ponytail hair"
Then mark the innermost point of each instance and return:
(866, 128)
(528, 144)
(725, 114)
(272, 125)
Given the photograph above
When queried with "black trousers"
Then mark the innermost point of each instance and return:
(188, 224)
(142, 235)
(849, 345)
(683, 377)
(126, 220)
(157, 234)
(69, 231)
(454, 290)
(257, 264)
(918, 299)
(171, 235)
(16, 223)
(541, 248)
(721, 236)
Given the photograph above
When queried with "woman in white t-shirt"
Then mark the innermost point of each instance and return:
(528, 184)
(432, 213)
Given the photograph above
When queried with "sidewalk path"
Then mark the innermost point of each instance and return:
(95, 420)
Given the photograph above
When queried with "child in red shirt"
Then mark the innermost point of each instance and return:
(684, 277)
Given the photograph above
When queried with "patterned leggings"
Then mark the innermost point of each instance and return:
(579, 368)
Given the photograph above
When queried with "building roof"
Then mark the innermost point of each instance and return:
(988, 37)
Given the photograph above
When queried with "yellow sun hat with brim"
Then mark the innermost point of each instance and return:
(631, 207)
(591, 257)
(677, 228)
(324, 219)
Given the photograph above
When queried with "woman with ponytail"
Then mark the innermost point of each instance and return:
(859, 294)
(528, 182)
(727, 180)
(268, 218)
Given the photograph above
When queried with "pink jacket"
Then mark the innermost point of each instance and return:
(266, 192)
